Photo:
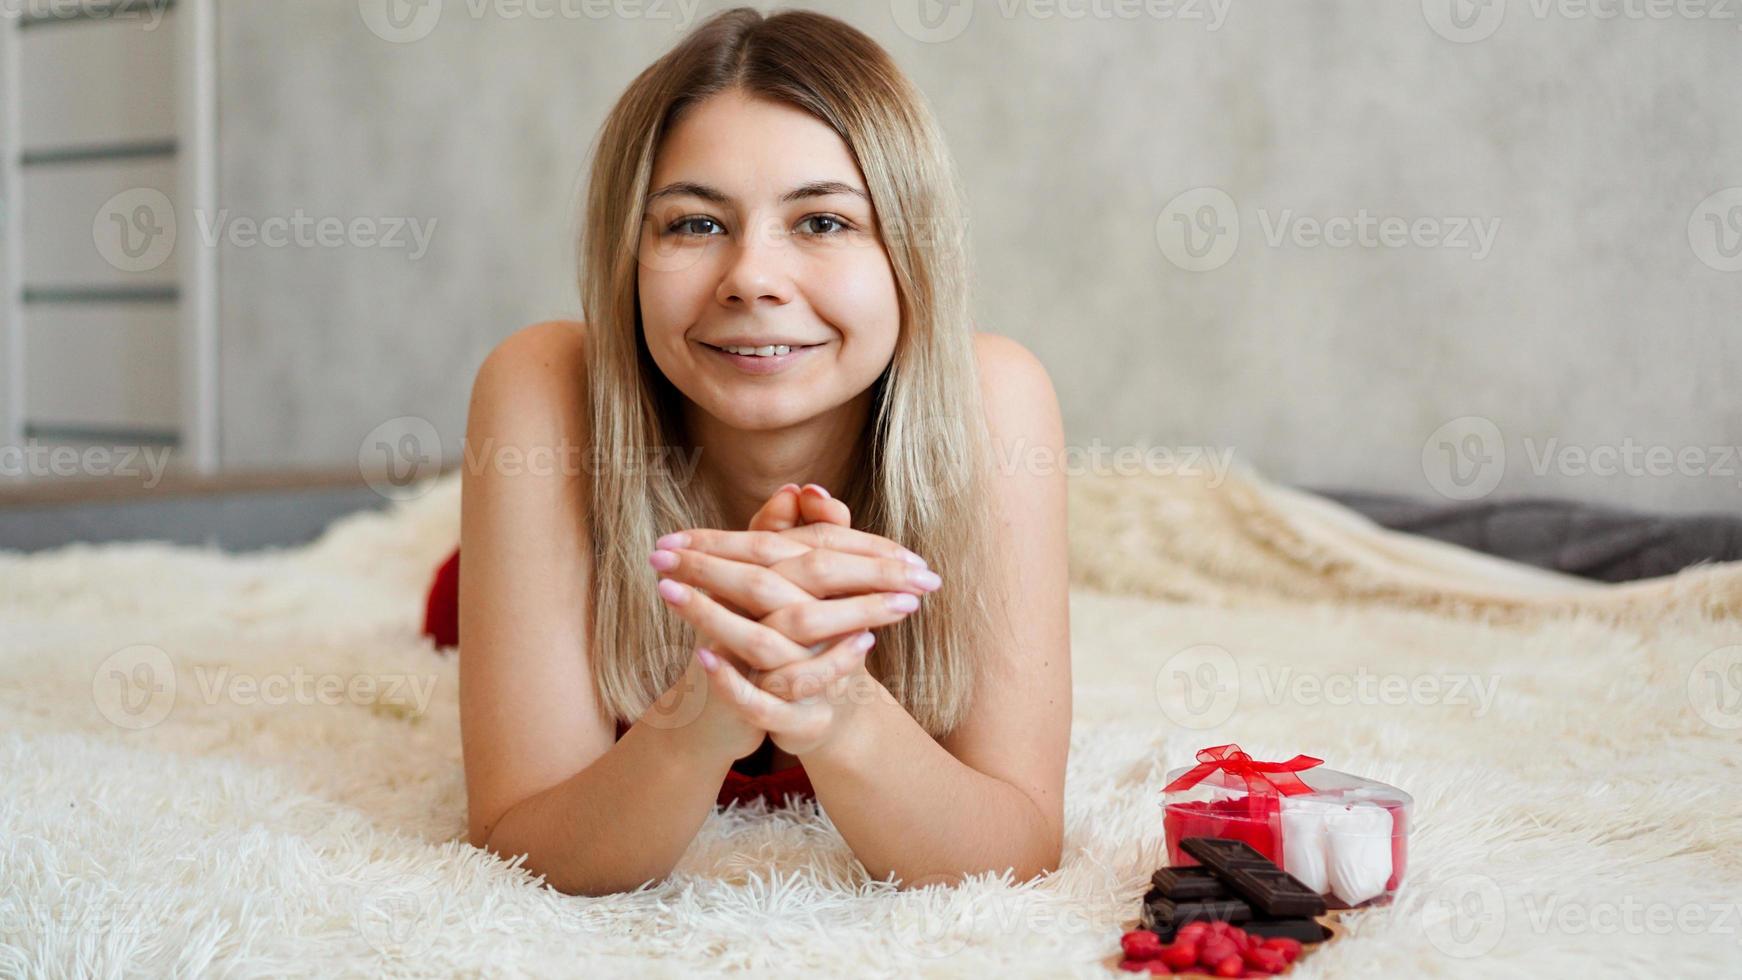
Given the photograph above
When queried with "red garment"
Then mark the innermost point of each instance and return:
(441, 622)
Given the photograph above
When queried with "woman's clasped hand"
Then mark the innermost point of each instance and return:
(785, 611)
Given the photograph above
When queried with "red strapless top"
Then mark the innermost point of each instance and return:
(748, 778)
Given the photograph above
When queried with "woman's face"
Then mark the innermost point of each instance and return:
(760, 232)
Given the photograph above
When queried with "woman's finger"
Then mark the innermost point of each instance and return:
(761, 647)
(782, 511)
(767, 547)
(817, 506)
(758, 707)
(812, 678)
(815, 574)
(753, 588)
(810, 623)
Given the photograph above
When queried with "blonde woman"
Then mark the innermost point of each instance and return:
(799, 531)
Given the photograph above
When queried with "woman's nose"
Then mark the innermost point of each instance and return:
(757, 269)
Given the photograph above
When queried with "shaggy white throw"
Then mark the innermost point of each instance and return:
(249, 765)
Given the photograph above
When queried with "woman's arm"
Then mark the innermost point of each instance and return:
(543, 775)
(991, 795)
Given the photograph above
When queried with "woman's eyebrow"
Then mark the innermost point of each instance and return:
(815, 188)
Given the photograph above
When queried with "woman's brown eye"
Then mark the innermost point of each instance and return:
(685, 226)
(827, 218)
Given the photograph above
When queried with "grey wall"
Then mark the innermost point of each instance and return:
(1596, 318)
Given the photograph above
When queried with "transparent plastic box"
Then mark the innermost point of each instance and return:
(1342, 835)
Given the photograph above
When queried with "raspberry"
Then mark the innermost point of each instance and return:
(1230, 967)
(1135, 966)
(1289, 948)
(1214, 951)
(1141, 944)
(1192, 930)
(1264, 959)
(1239, 938)
(1180, 955)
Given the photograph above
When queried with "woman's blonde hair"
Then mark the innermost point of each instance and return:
(920, 478)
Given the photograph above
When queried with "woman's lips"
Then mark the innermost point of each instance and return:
(751, 364)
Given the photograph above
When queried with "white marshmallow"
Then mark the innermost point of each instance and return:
(1358, 847)
(1303, 839)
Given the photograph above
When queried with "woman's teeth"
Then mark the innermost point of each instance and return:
(771, 351)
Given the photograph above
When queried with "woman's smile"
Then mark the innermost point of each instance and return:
(773, 362)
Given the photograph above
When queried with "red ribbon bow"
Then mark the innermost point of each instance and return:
(1262, 778)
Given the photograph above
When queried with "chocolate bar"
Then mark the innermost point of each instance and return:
(1301, 930)
(1207, 910)
(1254, 877)
(1186, 884)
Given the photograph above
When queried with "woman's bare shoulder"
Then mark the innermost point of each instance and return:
(537, 377)
(542, 349)
(1011, 376)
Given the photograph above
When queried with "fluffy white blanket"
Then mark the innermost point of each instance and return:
(249, 765)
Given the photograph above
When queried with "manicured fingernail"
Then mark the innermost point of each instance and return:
(676, 539)
(663, 560)
(927, 580)
(903, 601)
(818, 490)
(706, 656)
(788, 486)
(674, 592)
(864, 641)
(912, 559)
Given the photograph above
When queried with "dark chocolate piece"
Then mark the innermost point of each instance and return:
(1187, 883)
(1207, 910)
(1303, 930)
(1252, 876)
